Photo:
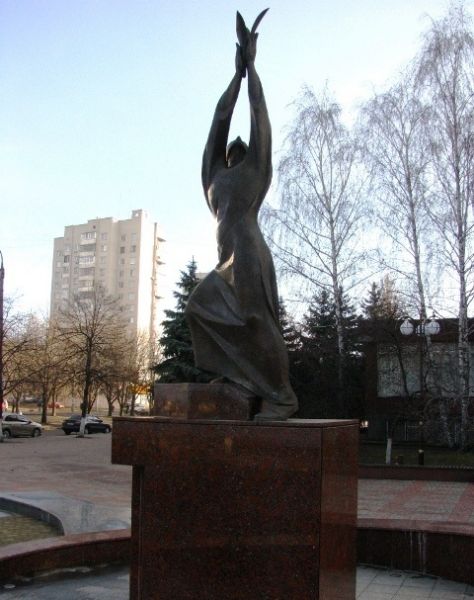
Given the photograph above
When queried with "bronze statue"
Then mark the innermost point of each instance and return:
(233, 312)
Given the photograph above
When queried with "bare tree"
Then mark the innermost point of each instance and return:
(18, 342)
(397, 150)
(397, 153)
(90, 326)
(46, 363)
(445, 74)
(314, 230)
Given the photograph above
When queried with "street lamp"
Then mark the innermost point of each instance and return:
(424, 329)
(407, 327)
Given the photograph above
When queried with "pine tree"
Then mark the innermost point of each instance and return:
(288, 328)
(383, 301)
(371, 304)
(317, 371)
(177, 365)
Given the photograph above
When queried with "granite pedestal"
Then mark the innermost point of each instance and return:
(232, 510)
(204, 401)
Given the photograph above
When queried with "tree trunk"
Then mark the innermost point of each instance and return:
(44, 409)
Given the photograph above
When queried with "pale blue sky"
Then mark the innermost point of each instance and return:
(105, 107)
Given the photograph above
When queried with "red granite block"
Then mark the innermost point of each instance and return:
(204, 401)
(240, 511)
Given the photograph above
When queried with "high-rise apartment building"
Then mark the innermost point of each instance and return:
(122, 256)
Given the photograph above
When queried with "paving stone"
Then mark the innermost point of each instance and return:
(112, 583)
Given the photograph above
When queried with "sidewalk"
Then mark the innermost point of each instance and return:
(450, 503)
(113, 584)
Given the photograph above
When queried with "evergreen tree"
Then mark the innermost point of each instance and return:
(288, 329)
(316, 372)
(177, 365)
(292, 337)
(383, 301)
(371, 304)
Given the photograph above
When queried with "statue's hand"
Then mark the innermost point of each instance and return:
(248, 39)
(250, 50)
(240, 65)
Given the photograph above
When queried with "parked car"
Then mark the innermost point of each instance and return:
(50, 405)
(16, 425)
(93, 425)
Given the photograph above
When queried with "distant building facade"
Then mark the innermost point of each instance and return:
(402, 393)
(122, 256)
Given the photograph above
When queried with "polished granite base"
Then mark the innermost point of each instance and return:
(204, 401)
(234, 510)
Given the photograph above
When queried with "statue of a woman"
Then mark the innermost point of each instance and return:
(233, 312)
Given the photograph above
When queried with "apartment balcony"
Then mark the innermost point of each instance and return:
(88, 263)
(87, 249)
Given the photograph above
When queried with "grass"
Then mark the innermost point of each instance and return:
(374, 454)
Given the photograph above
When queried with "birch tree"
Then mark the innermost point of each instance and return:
(314, 229)
(445, 74)
(397, 151)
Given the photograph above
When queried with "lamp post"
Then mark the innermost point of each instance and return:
(2, 277)
(425, 329)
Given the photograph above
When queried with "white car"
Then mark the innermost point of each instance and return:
(16, 425)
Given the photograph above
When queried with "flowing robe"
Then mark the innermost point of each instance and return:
(233, 312)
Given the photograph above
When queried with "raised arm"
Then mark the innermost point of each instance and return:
(214, 152)
(260, 145)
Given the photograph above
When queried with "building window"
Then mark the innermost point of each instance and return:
(122, 249)
(88, 235)
(103, 237)
(120, 273)
(132, 261)
(133, 249)
(131, 320)
(132, 272)
(133, 237)
(120, 284)
(59, 263)
(67, 259)
(103, 248)
(131, 296)
(122, 261)
(103, 260)
(123, 237)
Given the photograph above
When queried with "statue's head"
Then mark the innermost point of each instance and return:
(236, 151)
